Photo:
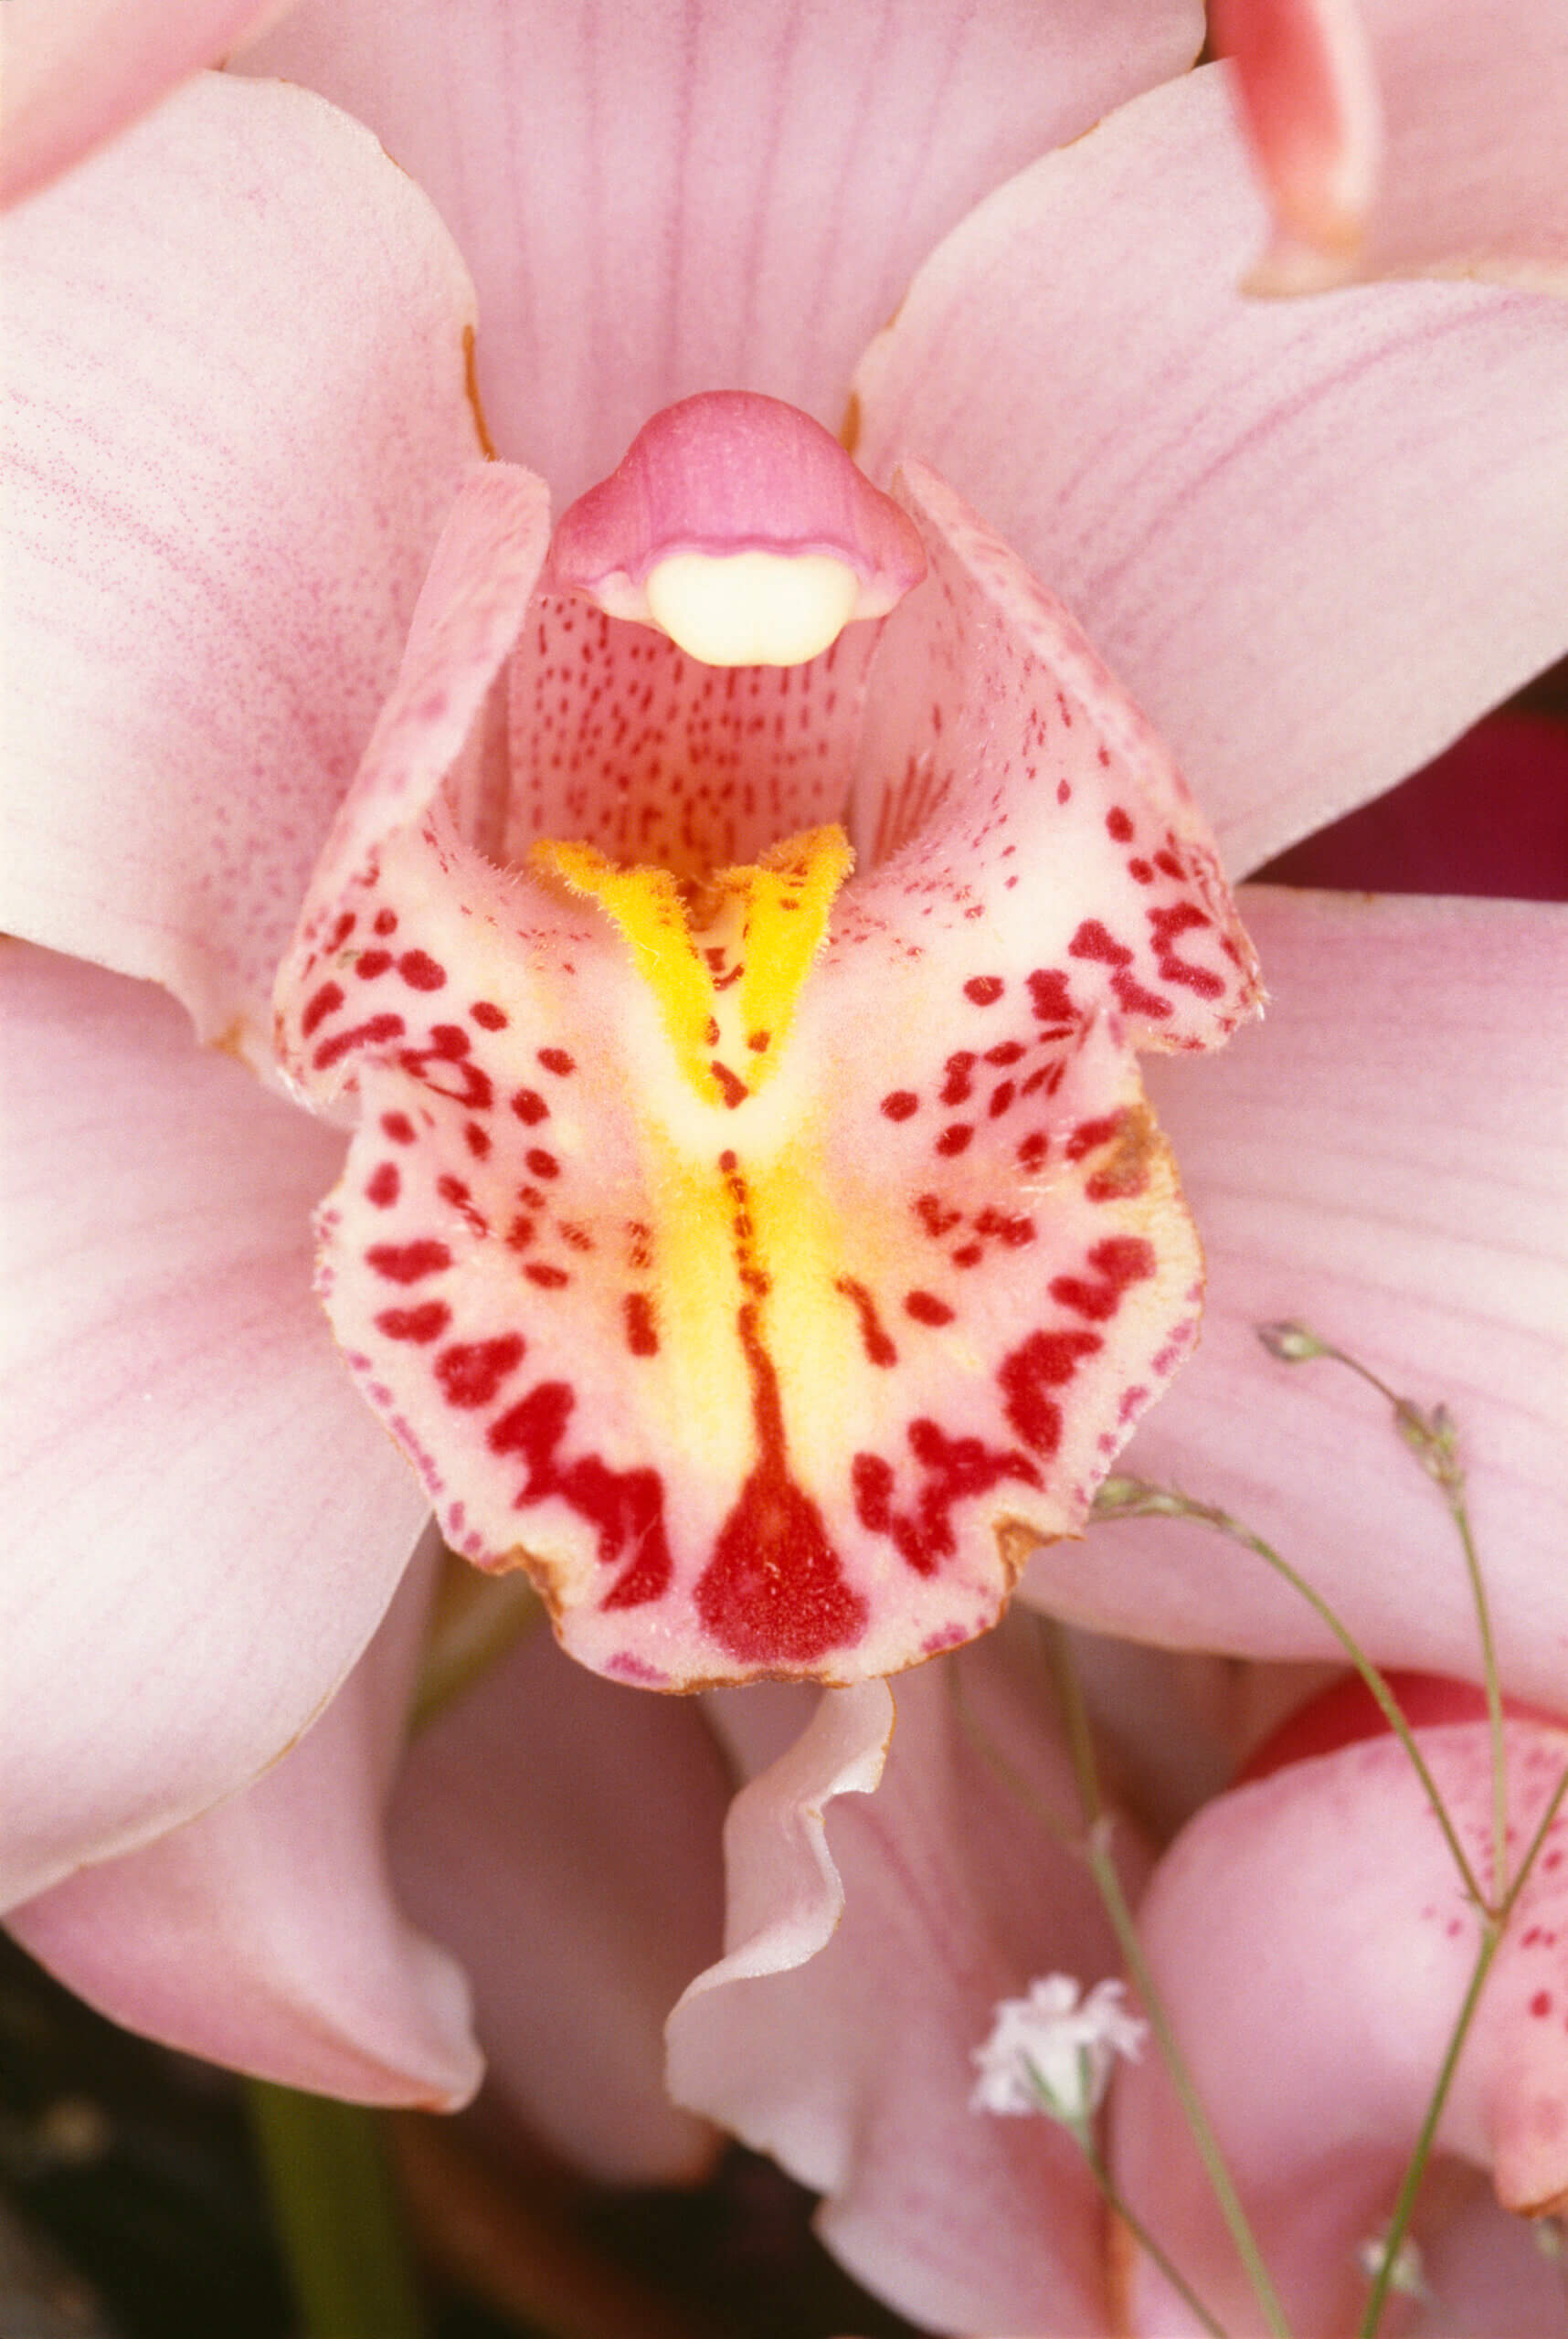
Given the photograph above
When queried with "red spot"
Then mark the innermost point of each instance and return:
(953, 1469)
(936, 1220)
(1009, 1051)
(926, 1308)
(557, 1061)
(380, 1028)
(476, 1139)
(957, 1083)
(530, 1106)
(319, 1007)
(627, 1506)
(969, 1255)
(548, 1278)
(774, 1592)
(1012, 1232)
(733, 1089)
(520, 1234)
(1165, 925)
(384, 1185)
(409, 1261)
(542, 1164)
(641, 1333)
(1089, 1135)
(1049, 996)
(471, 1373)
(386, 921)
(371, 963)
(984, 989)
(1044, 1361)
(1032, 1150)
(398, 1127)
(1169, 862)
(1118, 826)
(1540, 2004)
(1093, 941)
(1119, 1261)
(901, 1103)
(425, 1322)
(954, 1138)
(1140, 872)
(343, 927)
(879, 1349)
(419, 971)
(449, 1047)
(1001, 1097)
(489, 1016)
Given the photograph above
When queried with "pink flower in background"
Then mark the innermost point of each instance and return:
(243, 419)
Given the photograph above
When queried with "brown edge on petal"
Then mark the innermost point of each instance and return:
(849, 429)
(470, 385)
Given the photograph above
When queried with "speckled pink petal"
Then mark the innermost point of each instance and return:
(562, 1838)
(1314, 540)
(618, 1305)
(837, 2034)
(1312, 1944)
(1398, 137)
(204, 1528)
(236, 417)
(671, 197)
(264, 1935)
(77, 70)
(1382, 1156)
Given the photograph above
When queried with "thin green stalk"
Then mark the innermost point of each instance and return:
(1403, 2208)
(1459, 1512)
(1533, 1849)
(1103, 1869)
(335, 2211)
(1124, 2209)
(1134, 1498)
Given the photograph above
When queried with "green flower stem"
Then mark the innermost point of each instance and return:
(1129, 2218)
(1133, 1498)
(1103, 1869)
(1460, 1515)
(336, 2212)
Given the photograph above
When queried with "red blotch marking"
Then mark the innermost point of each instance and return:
(476, 1139)
(954, 1138)
(1001, 1097)
(520, 1234)
(1118, 825)
(969, 1255)
(384, 1185)
(322, 1004)
(1008, 1052)
(1165, 925)
(1540, 2004)
(425, 1322)
(449, 1047)
(453, 1190)
(530, 1106)
(542, 1164)
(1093, 941)
(954, 1469)
(900, 1104)
(398, 1127)
(1090, 1134)
(1032, 1149)
(1016, 1233)
(1049, 996)
(471, 1373)
(408, 1261)
(548, 1278)
(379, 1029)
(386, 922)
(936, 1220)
(641, 1333)
(1120, 1261)
(557, 1061)
(732, 1087)
(926, 1308)
(1169, 863)
(873, 1339)
(576, 1238)
(420, 971)
(760, 1041)
(1063, 792)
(627, 1506)
(984, 989)
(1140, 872)
(1044, 1361)
(489, 1017)
(343, 927)
(371, 963)
(959, 1081)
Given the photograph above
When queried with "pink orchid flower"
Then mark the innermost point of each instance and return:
(220, 578)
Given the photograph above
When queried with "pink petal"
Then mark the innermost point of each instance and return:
(549, 1259)
(77, 70)
(204, 1526)
(1382, 1157)
(237, 375)
(670, 198)
(1397, 137)
(1312, 1943)
(263, 1934)
(562, 1837)
(837, 2032)
(1314, 542)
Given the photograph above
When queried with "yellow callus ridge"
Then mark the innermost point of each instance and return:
(725, 958)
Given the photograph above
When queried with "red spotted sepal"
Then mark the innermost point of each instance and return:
(763, 1255)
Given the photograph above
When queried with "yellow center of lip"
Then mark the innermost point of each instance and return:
(724, 961)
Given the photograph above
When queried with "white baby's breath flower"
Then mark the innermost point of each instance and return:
(1053, 2052)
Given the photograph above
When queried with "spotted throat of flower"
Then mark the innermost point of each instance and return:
(764, 1255)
